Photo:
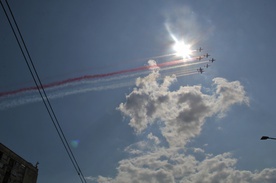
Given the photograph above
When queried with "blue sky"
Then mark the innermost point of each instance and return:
(194, 128)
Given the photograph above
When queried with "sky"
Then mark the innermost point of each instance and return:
(131, 110)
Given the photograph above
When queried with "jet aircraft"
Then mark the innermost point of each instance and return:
(200, 49)
(212, 60)
(199, 58)
(207, 65)
(207, 55)
(200, 70)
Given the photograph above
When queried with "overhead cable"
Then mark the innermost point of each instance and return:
(41, 90)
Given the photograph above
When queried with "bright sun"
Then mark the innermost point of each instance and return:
(183, 50)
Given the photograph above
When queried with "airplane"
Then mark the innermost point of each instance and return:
(200, 70)
(199, 58)
(207, 65)
(207, 55)
(212, 60)
(200, 49)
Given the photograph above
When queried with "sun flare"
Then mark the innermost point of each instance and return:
(183, 50)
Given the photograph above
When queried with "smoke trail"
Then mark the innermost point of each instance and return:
(89, 77)
(96, 82)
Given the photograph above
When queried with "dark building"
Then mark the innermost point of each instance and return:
(14, 169)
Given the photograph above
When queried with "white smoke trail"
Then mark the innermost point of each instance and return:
(89, 85)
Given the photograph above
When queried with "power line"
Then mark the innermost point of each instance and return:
(42, 92)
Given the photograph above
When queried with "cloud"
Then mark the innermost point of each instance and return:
(158, 166)
(142, 147)
(229, 93)
(169, 165)
(181, 114)
(221, 168)
(153, 138)
(68, 89)
(182, 111)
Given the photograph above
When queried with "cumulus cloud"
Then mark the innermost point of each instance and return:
(159, 166)
(183, 111)
(168, 165)
(181, 114)
(221, 168)
(153, 138)
(229, 93)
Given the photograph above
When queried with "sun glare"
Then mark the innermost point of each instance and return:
(183, 50)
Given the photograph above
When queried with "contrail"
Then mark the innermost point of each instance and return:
(94, 82)
(95, 76)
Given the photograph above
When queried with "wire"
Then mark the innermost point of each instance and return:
(42, 93)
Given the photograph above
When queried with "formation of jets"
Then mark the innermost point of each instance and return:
(201, 70)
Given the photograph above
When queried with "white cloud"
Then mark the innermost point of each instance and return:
(229, 93)
(159, 166)
(153, 138)
(183, 112)
(221, 168)
(142, 147)
(168, 165)
(198, 150)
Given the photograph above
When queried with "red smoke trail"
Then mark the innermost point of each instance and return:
(76, 79)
